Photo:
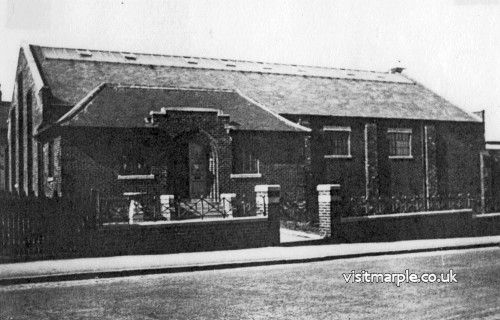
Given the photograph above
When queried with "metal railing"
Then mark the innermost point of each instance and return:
(361, 206)
(111, 209)
(201, 208)
(244, 207)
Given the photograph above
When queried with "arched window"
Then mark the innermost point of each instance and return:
(29, 140)
(12, 150)
(20, 133)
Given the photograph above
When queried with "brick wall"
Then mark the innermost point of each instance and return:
(40, 228)
(210, 127)
(24, 149)
(185, 237)
(91, 158)
(406, 227)
(82, 173)
(452, 166)
(458, 160)
(283, 161)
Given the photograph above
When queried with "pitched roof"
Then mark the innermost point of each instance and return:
(114, 105)
(4, 114)
(284, 89)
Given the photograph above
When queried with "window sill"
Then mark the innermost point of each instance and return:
(50, 179)
(401, 157)
(136, 177)
(131, 194)
(334, 156)
(245, 175)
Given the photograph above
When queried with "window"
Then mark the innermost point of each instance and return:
(245, 162)
(337, 142)
(51, 158)
(20, 89)
(20, 132)
(12, 150)
(29, 139)
(399, 143)
(134, 164)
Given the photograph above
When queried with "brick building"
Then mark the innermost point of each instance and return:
(199, 127)
(490, 163)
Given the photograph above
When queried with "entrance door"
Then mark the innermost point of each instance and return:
(198, 166)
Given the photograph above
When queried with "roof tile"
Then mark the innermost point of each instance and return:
(71, 77)
(112, 105)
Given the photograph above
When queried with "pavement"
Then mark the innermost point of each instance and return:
(287, 236)
(119, 266)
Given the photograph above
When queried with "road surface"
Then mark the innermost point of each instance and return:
(299, 291)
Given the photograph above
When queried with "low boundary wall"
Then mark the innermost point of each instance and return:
(236, 233)
(400, 226)
(36, 228)
(486, 224)
(406, 226)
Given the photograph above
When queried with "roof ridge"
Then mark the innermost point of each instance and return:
(220, 59)
(81, 104)
(153, 87)
(276, 115)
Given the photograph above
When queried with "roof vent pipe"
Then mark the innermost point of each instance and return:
(397, 70)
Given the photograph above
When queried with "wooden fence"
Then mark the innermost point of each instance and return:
(34, 228)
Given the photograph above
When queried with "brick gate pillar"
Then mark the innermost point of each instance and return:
(267, 200)
(329, 209)
(226, 201)
(167, 205)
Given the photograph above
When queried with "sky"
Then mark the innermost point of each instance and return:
(450, 46)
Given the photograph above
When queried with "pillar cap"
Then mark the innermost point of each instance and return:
(228, 195)
(267, 187)
(327, 187)
(166, 196)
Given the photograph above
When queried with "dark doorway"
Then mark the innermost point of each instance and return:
(198, 170)
(179, 174)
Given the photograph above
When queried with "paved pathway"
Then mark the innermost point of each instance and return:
(85, 268)
(287, 235)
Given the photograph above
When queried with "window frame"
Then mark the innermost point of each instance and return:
(50, 161)
(257, 174)
(244, 151)
(339, 129)
(410, 142)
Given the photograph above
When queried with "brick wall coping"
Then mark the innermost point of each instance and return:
(186, 109)
(487, 215)
(405, 215)
(327, 187)
(161, 224)
(245, 175)
(267, 187)
(136, 177)
(30, 60)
